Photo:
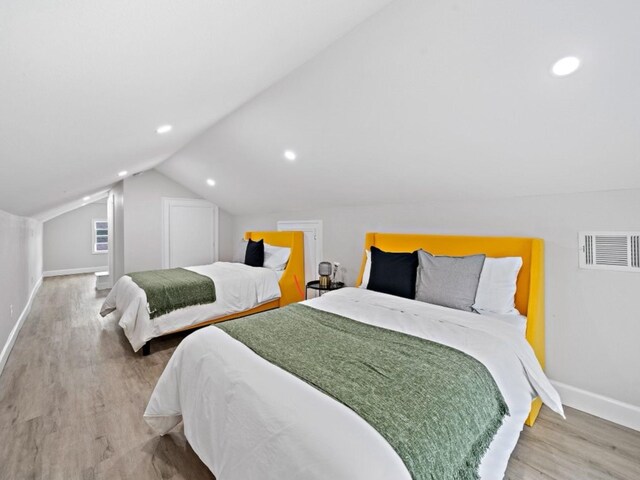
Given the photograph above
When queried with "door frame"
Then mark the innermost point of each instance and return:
(167, 203)
(296, 225)
(111, 260)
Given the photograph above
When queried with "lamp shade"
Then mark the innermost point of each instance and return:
(325, 268)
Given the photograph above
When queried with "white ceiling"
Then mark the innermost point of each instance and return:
(438, 99)
(84, 84)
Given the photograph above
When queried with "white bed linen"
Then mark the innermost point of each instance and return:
(248, 419)
(513, 319)
(239, 287)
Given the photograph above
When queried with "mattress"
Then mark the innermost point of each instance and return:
(239, 287)
(247, 418)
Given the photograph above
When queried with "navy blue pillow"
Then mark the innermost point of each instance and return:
(393, 273)
(254, 256)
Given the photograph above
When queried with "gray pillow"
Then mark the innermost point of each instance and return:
(449, 281)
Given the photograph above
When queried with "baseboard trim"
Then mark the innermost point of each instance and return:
(13, 335)
(608, 408)
(73, 271)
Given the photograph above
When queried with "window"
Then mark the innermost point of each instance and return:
(100, 230)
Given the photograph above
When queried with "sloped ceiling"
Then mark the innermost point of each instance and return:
(438, 99)
(84, 84)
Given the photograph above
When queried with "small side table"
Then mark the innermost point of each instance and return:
(315, 285)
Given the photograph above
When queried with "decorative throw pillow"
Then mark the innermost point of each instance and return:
(393, 273)
(449, 281)
(255, 254)
(497, 287)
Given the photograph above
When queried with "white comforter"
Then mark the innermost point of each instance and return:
(248, 419)
(238, 288)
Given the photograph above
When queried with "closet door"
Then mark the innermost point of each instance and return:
(190, 232)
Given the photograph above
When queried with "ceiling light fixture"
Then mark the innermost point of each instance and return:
(565, 66)
(290, 155)
(123, 173)
(86, 198)
(211, 182)
(164, 129)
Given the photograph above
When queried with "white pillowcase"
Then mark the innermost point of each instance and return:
(276, 258)
(497, 286)
(367, 271)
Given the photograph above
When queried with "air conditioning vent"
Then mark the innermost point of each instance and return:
(635, 251)
(610, 251)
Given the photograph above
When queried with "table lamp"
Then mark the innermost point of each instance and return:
(324, 271)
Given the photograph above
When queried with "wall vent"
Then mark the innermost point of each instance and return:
(610, 251)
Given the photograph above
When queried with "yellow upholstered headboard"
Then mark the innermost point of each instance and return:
(292, 280)
(530, 285)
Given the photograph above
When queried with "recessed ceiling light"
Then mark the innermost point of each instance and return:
(84, 199)
(122, 173)
(211, 182)
(565, 66)
(290, 155)
(164, 129)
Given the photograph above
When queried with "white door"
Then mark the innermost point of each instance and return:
(312, 243)
(190, 232)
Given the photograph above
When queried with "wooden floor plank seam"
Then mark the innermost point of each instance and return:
(72, 395)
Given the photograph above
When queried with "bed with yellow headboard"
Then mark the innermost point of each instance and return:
(361, 349)
(131, 301)
(529, 297)
(291, 282)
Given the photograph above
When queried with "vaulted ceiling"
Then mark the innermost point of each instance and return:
(84, 84)
(421, 100)
(438, 100)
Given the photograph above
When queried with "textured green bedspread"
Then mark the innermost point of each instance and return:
(174, 288)
(436, 406)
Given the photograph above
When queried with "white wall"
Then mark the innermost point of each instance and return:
(593, 327)
(226, 236)
(67, 240)
(115, 214)
(20, 273)
(143, 220)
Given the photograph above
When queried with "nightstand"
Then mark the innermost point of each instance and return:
(315, 285)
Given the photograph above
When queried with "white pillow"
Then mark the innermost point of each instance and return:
(240, 251)
(276, 258)
(497, 286)
(367, 271)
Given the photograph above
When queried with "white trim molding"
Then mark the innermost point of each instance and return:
(13, 335)
(74, 271)
(604, 407)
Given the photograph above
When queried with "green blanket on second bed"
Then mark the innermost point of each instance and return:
(437, 407)
(172, 289)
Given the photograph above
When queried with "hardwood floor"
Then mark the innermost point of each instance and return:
(72, 396)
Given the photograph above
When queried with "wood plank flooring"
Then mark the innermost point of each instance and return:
(72, 396)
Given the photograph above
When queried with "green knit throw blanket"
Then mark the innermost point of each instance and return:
(437, 407)
(172, 289)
